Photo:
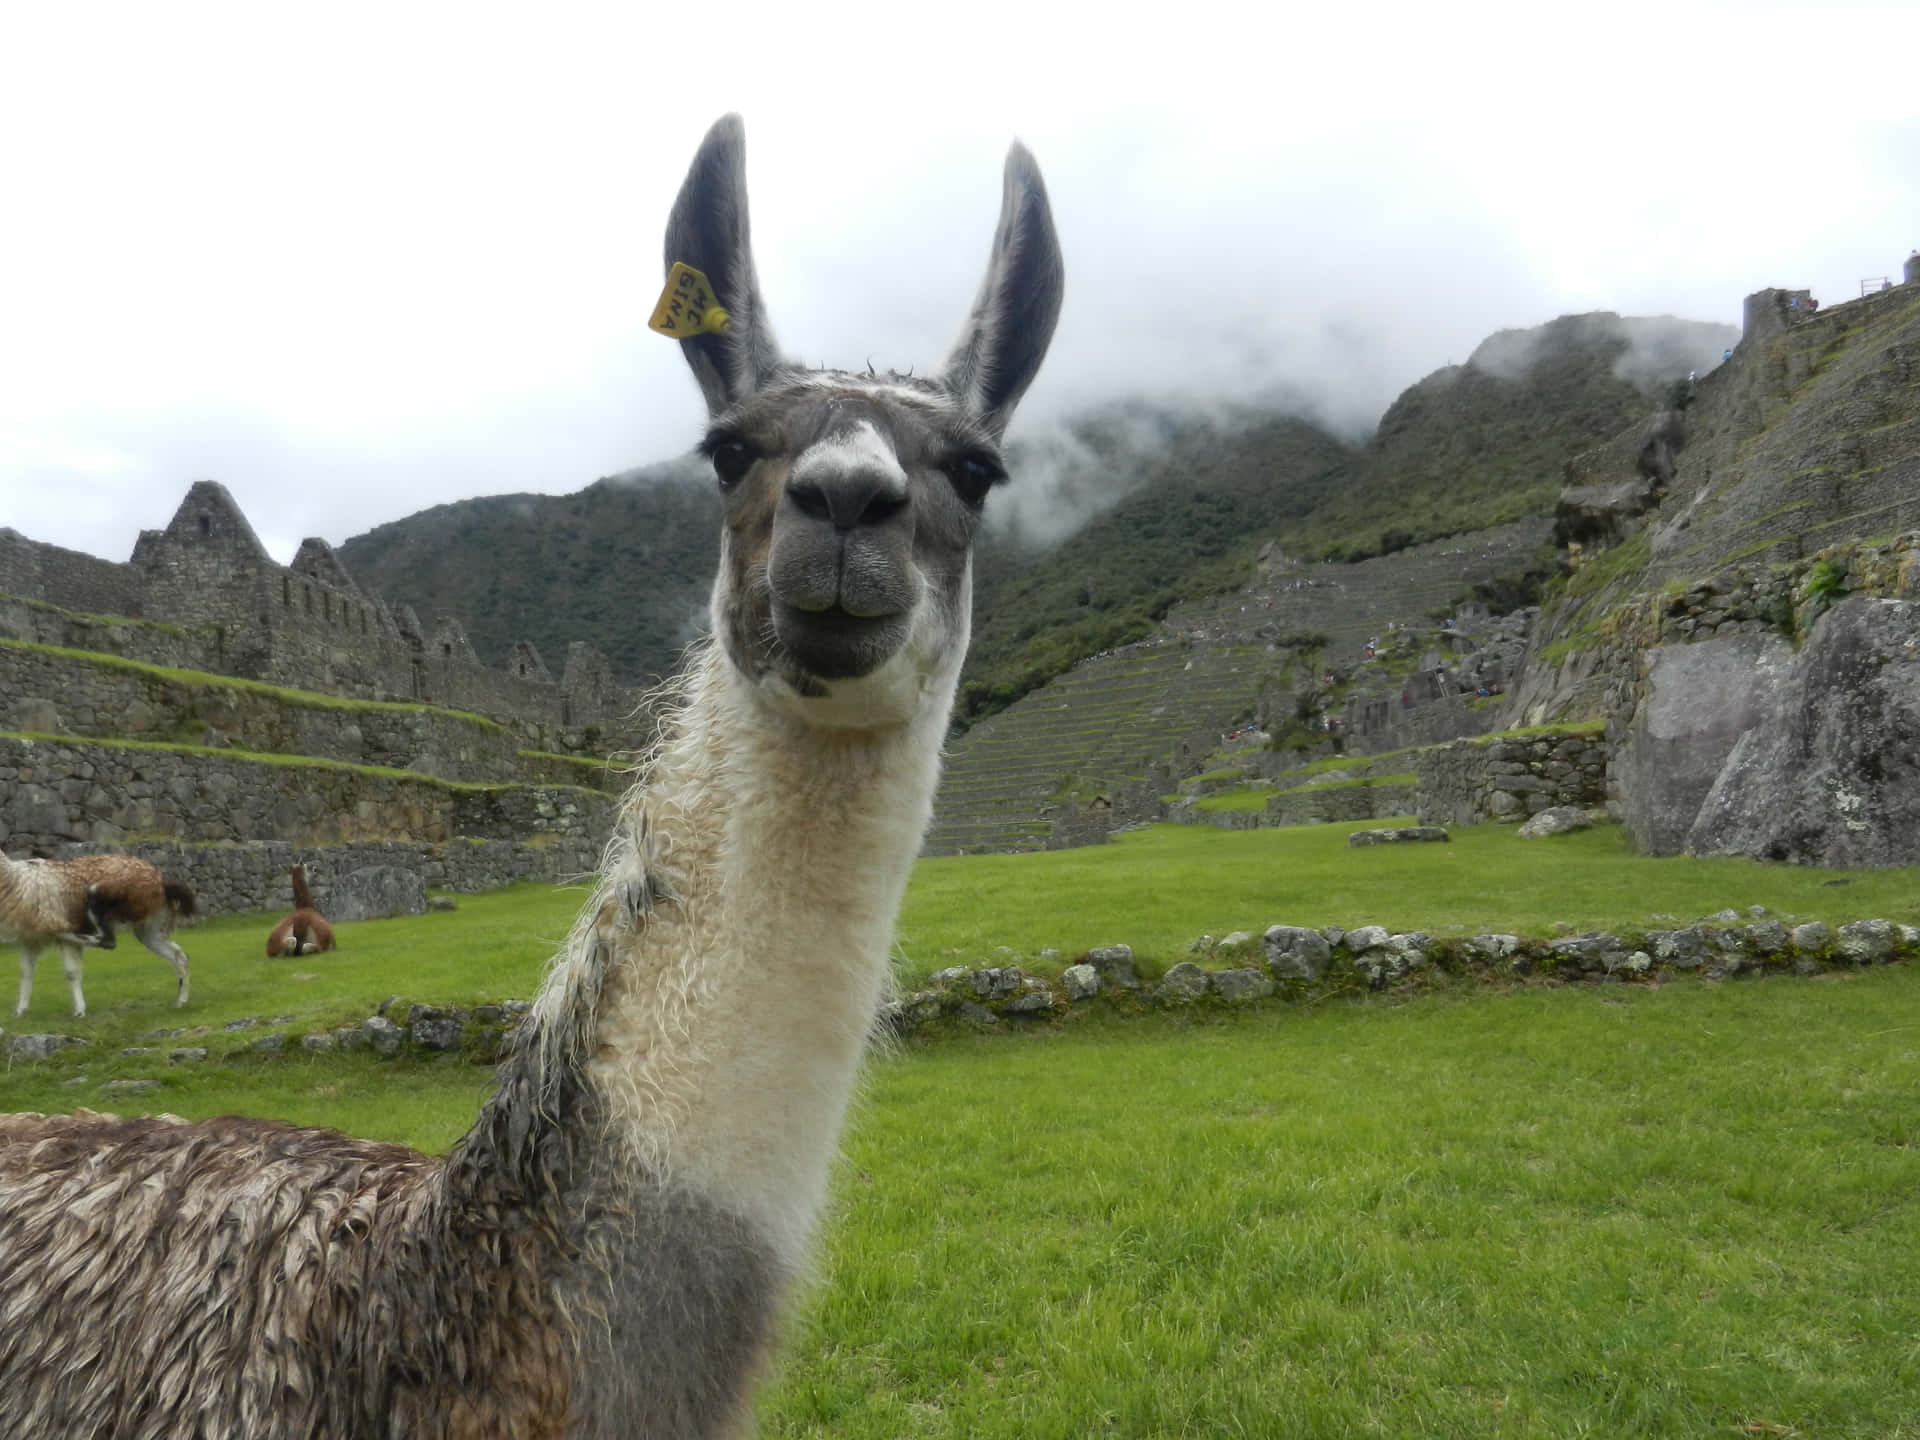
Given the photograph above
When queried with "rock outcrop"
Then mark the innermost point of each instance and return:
(1828, 773)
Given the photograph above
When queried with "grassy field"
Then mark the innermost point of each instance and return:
(1684, 1210)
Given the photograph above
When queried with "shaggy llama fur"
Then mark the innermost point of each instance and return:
(605, 1252)
(75, 904)
(305, 931)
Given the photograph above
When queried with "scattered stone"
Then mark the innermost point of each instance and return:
(1334, 935)
(952, 975)
(129, 1051)
(245, 1022)
(442, 903)
(1238, 937)
(1767, 937)
(1047, 952)
(1367, 937)
(1237, 987)
(130, 1087)
(1865, 941)
(382, 1034)
(1297, 953)
(39, 1047)
(1810, 938)
(1683, 949)
(1115, 964)
(1556, 820)
(1405, 834)
(1184, 983)
(1589, 953)
(1082, 982)
(186, 1055)
(270, 1044)
(1757, 911)
(1204, 945)
(1494, 947)
(997, 982)
(318, 1044)
(1032, 998)
(163, 1034)
(352, 1037)
(76, 1082)
(1725, 917)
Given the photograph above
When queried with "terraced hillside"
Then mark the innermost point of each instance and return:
(1810, 438)
(1104, 723)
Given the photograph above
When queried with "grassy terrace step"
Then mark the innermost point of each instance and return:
(281, 694)
(280, 761)
(1103, 722)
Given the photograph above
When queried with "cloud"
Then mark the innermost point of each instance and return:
(359, 263)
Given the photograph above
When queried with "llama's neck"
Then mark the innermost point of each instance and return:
(738, 951)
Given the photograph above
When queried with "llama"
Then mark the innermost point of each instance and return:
(74, 905)
(606, 1250)
(305, 931)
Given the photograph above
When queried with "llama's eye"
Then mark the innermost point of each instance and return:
(731, 461)
(973, 475)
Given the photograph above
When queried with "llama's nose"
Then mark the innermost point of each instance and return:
(849, 498)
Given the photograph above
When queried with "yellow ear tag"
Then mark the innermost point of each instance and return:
(687, 306)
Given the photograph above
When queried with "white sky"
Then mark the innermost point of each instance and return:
(358, 260)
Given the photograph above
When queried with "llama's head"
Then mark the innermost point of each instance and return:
(852, 500)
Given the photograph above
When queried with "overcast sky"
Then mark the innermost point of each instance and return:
(384, 257)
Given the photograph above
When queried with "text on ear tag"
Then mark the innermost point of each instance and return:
(687, 306)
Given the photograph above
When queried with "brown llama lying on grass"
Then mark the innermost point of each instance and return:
(305, 931)
(75, 904)
(606, 1252)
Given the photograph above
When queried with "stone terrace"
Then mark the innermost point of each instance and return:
(1102, 728)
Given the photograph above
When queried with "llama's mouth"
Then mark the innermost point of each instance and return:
(835, 645)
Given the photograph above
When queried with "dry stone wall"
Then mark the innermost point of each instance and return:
(54, 792)
(1509, 778)
(47, 691)
(239, 879)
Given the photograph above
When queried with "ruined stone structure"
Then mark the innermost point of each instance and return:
(307, 626)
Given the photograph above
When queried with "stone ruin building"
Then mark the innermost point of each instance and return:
(224, 606)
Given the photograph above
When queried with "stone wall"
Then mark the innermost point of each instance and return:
(1509, 777)
(52, 792)
(237, 879)
(227, 608)
(45, 691)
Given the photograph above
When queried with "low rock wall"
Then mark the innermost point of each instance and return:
(1508, 779)
(239, 879)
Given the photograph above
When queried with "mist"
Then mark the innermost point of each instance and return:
(349, 312)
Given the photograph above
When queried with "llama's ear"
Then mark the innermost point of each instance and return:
(708, 230)
(1006, 338)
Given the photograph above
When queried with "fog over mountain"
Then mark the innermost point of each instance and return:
(355, 264)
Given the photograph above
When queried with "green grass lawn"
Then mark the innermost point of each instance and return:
(1158, 889)
(1532, 1210)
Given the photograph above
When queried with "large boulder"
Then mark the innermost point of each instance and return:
(1699, 701)
(377, 892)
(1829, 772)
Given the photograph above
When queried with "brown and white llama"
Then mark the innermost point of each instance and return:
(305, 931)
(74, 905)
(605, 1252)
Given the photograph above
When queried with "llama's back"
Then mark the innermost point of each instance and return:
(243, 1278)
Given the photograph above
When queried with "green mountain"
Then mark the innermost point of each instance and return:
(1108, 522)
